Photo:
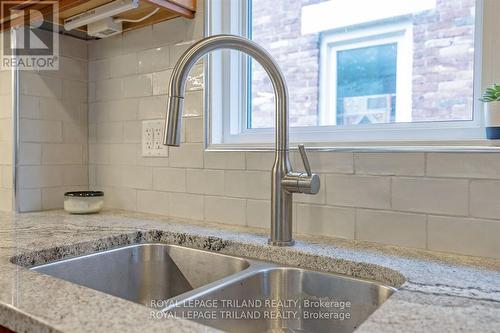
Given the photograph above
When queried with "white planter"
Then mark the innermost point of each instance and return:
(492, 120)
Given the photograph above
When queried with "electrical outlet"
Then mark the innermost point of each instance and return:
(152, 139)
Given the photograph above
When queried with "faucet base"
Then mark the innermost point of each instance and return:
(281, 243)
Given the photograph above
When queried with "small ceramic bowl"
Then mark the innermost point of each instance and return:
(83, 202)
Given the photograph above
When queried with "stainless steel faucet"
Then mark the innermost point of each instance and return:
(285, 181)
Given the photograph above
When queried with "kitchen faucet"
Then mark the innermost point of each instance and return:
(285, 181)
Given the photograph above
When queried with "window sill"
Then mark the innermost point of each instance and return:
(475, 146)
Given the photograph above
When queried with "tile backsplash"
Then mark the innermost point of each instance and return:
(437, 201)
(6, 141)
(53, 130)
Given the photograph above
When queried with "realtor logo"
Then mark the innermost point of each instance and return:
(29, 36)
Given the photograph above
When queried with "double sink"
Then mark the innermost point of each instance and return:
(228, 293)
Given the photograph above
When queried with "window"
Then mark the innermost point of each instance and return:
(366, 76)
(397, 70)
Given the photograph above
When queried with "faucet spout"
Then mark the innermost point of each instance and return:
(284, 180)
(192, 55)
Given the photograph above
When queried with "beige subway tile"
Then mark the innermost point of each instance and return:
(480, 165)
(53, 197)
(193, 104)
(30, 200)
(189, 155)
(62, 153)
(137, 40)
(325, 221)
(6, 130)
(247, 184)
(74, 69)
(194, 129)
(225, 210)
(29, 107)
(132, 132)
(169, 179)
(205, 181)
(259, 160)
(106, 48)
(7, 176)
(123, 65)
(154, 202)
(34, 84)
(394, 228)
(98, 112)
(188, 206)
(75, 90)
(92, 175)
(120, 198)
(402, 164)
(430, 195)
(358, 191)
(110, 132)
(5, 83)
(6, 153)
(122, 154)
(6, 108)
(40, 130)
(63, 110)
(106, 90)
(76, 132)
(99, 70)
(108, 175)
(152, 107)
(73, 47)
(74, 174)
(99, 153)
(31, 176)
(259, 213)
(485, 198)
(162, 32)
(154, 60)
(137, 85)
(160, 82)
(224, 160)
(5, 200)
(137, 177)
(464, 235)
(121, 110)
(326, 162)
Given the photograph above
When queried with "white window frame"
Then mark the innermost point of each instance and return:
(226, 111)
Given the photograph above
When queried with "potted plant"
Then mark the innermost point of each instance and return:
(491, 99)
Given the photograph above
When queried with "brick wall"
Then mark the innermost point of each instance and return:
(443, 60)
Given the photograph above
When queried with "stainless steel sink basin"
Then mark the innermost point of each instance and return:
(229, 293)
(281, 299)
(145, 272)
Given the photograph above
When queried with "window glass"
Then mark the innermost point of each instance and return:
(394, 61)
(366, 85)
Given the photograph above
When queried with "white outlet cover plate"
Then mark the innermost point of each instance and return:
(152, 139)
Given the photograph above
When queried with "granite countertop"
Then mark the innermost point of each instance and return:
(437, 292)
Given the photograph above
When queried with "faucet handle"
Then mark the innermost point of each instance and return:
(305, 160)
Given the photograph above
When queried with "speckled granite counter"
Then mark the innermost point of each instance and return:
(437, 292)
